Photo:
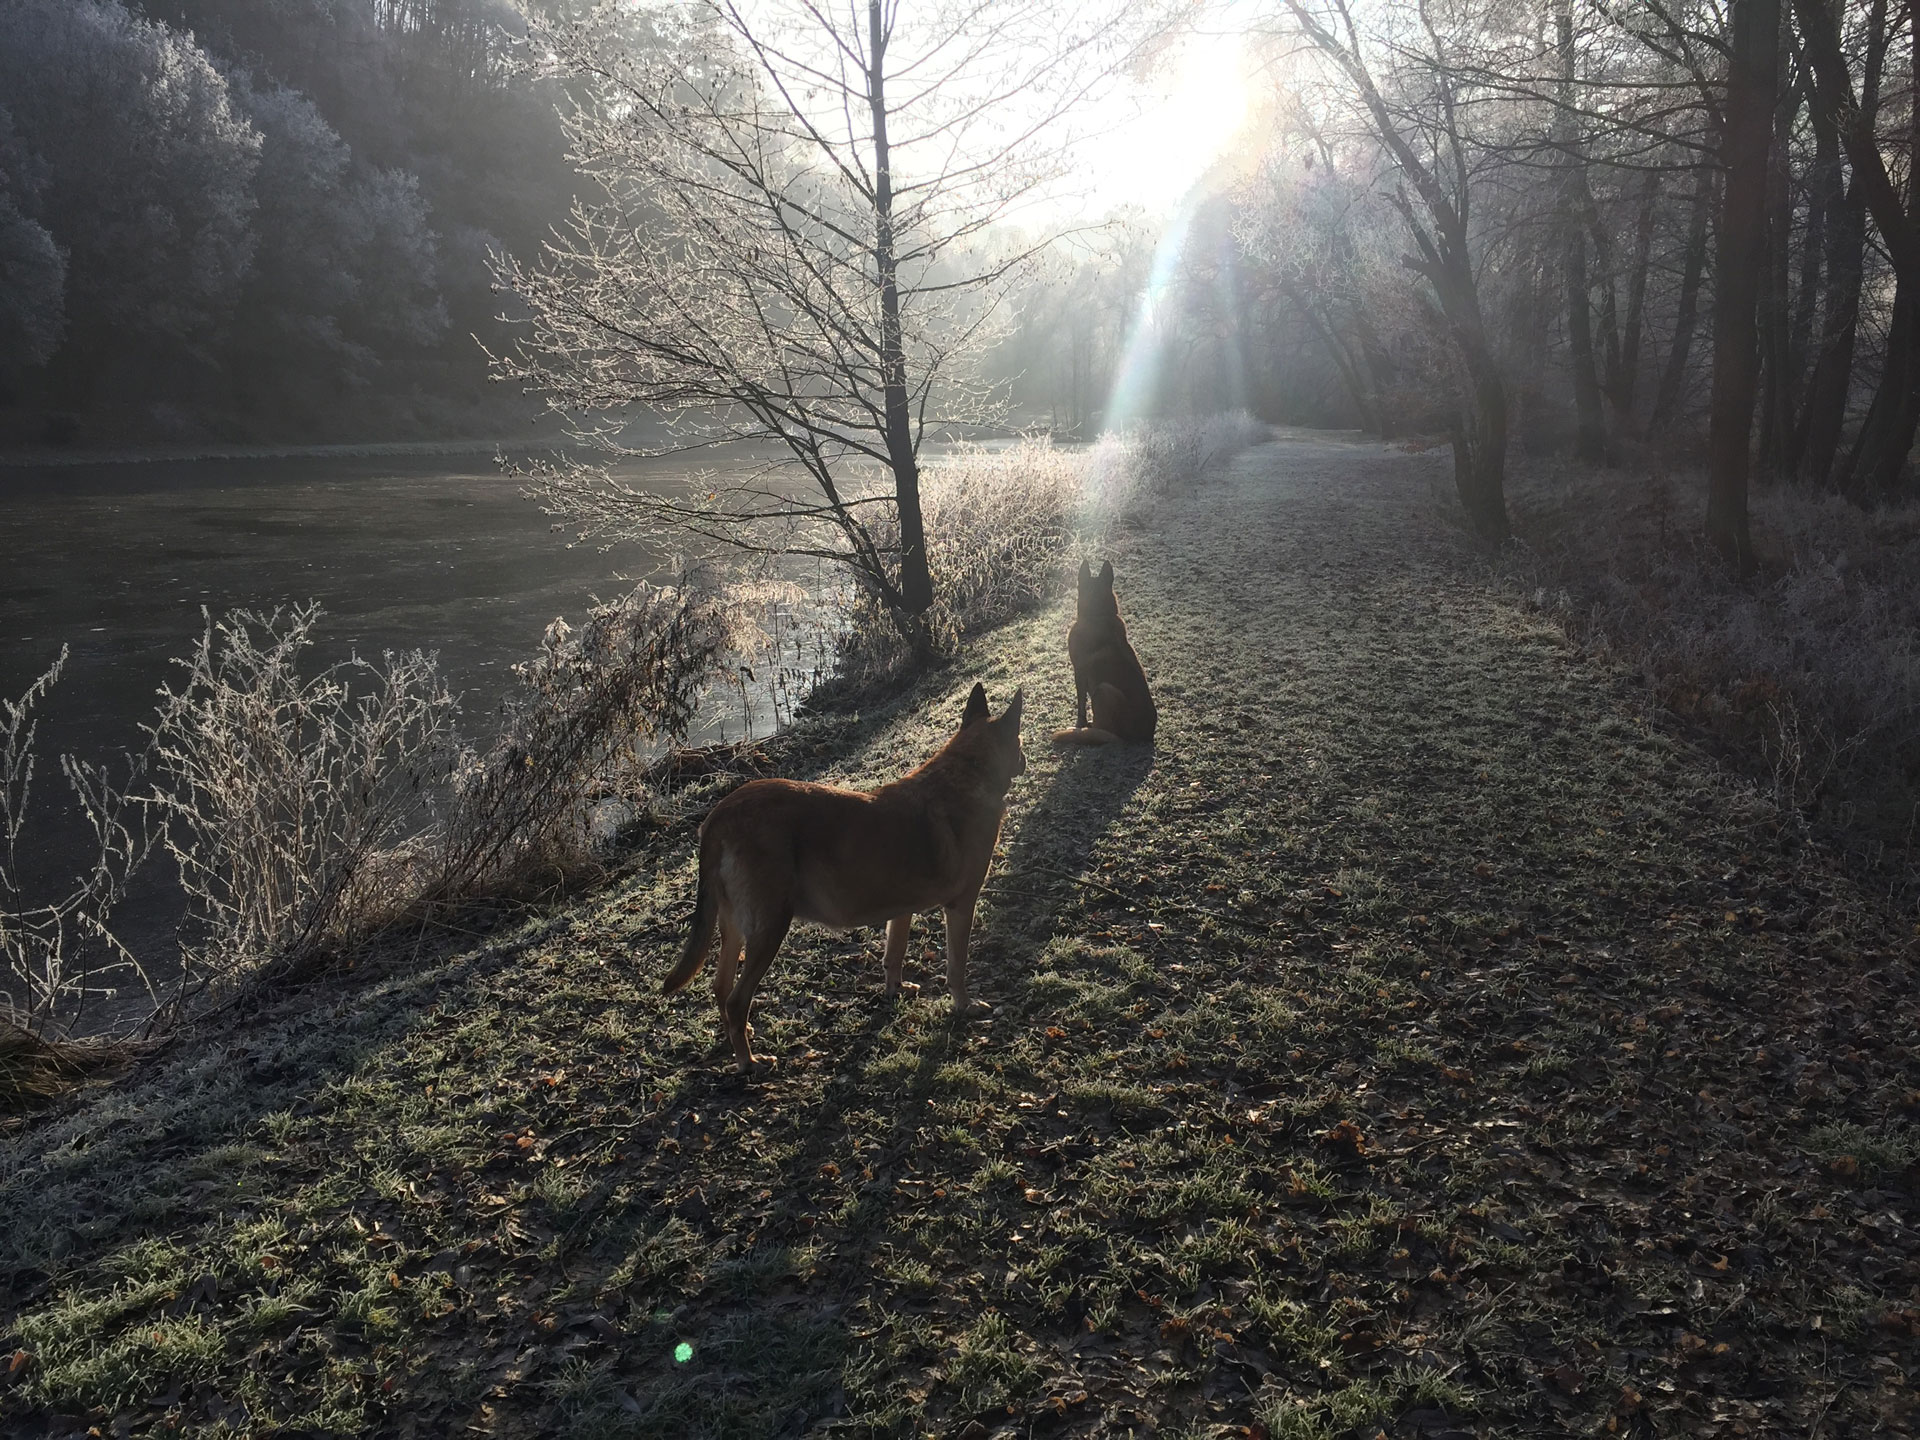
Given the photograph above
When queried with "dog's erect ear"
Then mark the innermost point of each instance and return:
(1011, 715)
(1086, 573)
(976, 705)
(1106, 574)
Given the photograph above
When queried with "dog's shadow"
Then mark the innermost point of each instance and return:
(1054, 835)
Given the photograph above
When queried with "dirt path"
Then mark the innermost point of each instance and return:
(1416, 1040)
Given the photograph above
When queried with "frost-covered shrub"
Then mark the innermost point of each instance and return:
(57, 948)
(33, 282)
(283, 795)
(588, 705)
(1003, 524)
(302, 811)
(1807, 675)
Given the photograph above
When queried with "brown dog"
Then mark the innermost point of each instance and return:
(1105, 669)
(776, 851)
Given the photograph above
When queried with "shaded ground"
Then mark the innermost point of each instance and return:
(1417, 1040)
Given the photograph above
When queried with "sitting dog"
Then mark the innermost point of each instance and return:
(1105, 669)
(776, 851)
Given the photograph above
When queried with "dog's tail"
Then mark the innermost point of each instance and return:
(1085, 735)
(706, 914)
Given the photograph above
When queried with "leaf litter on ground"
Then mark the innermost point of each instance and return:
(1419, 1038)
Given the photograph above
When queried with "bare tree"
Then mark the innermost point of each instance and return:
(1824, 414)
(1577, 222)
(1302, 222)
(1880, 451)
(1673, 378)
(1752, 75)
(1429, 149)
(801, 239)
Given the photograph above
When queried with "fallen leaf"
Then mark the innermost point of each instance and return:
(1345, 1136)
(1901, 1322)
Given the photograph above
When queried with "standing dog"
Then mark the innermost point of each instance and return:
(776, 851)
(1105, 669)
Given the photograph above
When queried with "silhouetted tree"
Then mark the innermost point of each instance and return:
(797, 244)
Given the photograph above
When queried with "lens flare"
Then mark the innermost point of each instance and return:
(1194, 127)
(1137, 375)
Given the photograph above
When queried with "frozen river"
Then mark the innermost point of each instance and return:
(440, 552)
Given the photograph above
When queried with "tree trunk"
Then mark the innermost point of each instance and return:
(1823, 196)
(1824, 199)
(1825, 413)
(1380, 370)
(1880, 450)
(1833, 92)
(1780, 383)
(1480, 463)
(1350, 375)
(1590, 441)
(1752, 77)
(1880, 474)
(916, 580)
(1673, 378)
(1623, 379)
(1446, 260)
(1590, 435)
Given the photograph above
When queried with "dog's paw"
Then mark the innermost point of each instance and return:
(971, 1010)
(757, 1067)
(904, 991)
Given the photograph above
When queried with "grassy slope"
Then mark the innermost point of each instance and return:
(1437, 1046)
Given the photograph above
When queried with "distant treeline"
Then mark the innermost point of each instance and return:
(223, 218)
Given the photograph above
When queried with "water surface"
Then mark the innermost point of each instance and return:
(438, 552)
(116, 561)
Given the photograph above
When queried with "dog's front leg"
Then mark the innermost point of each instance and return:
(899, 929)
(959, 928)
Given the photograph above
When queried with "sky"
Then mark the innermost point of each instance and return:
(1144, 140)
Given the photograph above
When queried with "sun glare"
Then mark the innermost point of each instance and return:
(1154, 162)
(1178, 122)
